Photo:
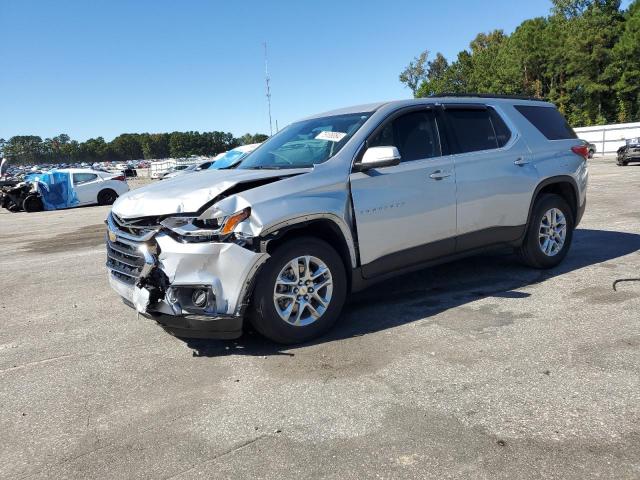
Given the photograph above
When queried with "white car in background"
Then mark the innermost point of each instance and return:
(233, 157)
(196, 167)
(93, 186)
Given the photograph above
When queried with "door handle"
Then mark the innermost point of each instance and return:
(439, 175)
(521, 161)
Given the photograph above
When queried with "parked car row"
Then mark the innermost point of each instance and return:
(61, 188)
(341, 200)
(224, 160)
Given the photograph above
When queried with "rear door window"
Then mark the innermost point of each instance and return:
(473, 129)
(503, 134)
(414, 134)
(548, 120)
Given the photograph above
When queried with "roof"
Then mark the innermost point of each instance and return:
(79, 170)
(364, 108)
(451, 98)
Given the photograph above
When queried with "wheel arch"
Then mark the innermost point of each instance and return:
(562, 185)
(325, 227)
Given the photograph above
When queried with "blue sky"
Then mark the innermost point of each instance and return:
(104, 67)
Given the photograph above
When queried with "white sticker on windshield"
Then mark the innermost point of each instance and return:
(331, 136)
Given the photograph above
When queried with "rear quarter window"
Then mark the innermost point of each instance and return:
(548, 120)
(79, 178)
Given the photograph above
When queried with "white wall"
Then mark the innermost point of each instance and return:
(158, 167)
(608, 138)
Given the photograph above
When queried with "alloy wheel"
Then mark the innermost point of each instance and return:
(553, 232)
(303, 290)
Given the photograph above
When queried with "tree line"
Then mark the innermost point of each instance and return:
(32, 149)
(584, 57)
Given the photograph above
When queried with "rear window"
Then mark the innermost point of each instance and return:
(548, 120)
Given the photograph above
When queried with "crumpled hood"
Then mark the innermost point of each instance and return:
(187, 193)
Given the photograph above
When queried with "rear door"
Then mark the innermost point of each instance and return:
(86, 186)
(406, 214)
(494, 175)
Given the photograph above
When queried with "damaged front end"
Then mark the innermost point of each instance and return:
(190, 273)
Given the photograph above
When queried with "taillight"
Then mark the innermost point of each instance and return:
(581, 150)
(122, 178)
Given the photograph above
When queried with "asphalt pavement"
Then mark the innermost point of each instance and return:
(477, 369)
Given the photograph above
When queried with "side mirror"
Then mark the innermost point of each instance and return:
(378, 157)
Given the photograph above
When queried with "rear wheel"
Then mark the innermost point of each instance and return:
(107, 197)
(32, 203)
(300, 291)
(549, 233)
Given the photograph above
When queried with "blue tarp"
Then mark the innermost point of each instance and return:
(55, 188)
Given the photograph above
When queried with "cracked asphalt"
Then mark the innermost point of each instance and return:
(477, 369)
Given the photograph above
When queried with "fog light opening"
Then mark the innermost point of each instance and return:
(199, 298)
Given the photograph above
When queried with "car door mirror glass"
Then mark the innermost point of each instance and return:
(378, 157)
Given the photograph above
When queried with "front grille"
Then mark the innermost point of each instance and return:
(124, 260)
(138, 227)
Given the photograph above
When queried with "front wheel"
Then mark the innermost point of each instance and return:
(300, 291)
(32, 203)
(549, 233)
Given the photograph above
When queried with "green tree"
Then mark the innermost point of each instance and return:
(625, 67)
(155, 145)
(24, 149)
(584, 57)
(415, 73)
(127, 146)
(248, 139)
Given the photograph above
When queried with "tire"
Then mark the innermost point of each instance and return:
(13, 207)
(532, 249)
(32, 203)
(265, 316)
(107, 197)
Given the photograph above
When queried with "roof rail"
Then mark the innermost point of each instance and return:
(487, 95)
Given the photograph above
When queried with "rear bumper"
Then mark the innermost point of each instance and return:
(581, 210)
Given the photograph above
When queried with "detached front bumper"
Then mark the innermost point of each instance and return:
(196, 290)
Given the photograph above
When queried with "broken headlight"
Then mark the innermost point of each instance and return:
(194, 229)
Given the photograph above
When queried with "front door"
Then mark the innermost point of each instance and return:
(406, 214)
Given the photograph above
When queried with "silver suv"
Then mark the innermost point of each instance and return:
(338, 201)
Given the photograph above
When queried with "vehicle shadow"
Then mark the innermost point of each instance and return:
(421, 294)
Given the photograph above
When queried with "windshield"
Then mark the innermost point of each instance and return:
(228, 159)
(306, 143)
(633, 141)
